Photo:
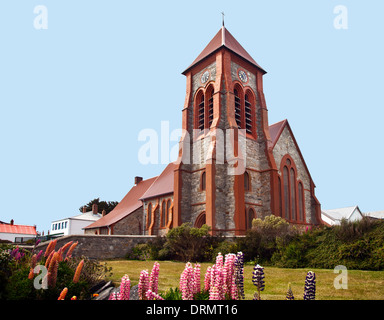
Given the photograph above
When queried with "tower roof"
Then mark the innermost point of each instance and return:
(224, 39)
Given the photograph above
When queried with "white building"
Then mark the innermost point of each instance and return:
(334, 216)
(75, 224)
(375, 214)
(11, 231)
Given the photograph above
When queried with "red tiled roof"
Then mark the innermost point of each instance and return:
(224, 39)
(275, 131)
(130, 203)
(14, 228)
(163, 184)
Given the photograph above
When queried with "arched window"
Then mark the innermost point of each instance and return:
(203, 181)
(301, 201)
(210, 106)
(200, 110)
(238, 106)
(292, 183)
(149, 215)
(201, 219)
(250, 216)
(280, 198)
(248, 112)
(247, 181)
(286, 192)
(292, 192)
(168, 212)
(163, 214)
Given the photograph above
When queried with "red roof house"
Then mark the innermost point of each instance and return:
(9, 231)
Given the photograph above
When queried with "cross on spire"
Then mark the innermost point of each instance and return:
(222, 12)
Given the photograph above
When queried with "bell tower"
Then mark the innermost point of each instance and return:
(225, 166)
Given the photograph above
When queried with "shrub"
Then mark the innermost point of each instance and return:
(187, 243)
(262, 241)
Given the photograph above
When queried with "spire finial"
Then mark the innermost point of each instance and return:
(222, 12)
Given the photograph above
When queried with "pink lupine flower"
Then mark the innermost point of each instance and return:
(196, 278)
(153, 295)
(207, 279)
(186, 282)
(114, 296)
(143, 285)
(154, 278)
(214, 294)
(125, 288)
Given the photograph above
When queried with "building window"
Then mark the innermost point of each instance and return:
(200, 111)
(210, 106)
(203, 181)
(249, 218)
(292, 192)
(280, 198)
(149, 215)
(168, 212)
(247, 181)
(301, 201)
(238, 107)
(201, 220)
(286, 192)
(248, 113)
(163, 214)
(292, 183)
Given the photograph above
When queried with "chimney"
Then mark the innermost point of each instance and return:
(94, 208)
(11, 222)
(103, 213)
(84, 209)
(138, 179)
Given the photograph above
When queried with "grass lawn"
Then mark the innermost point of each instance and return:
(361, 284)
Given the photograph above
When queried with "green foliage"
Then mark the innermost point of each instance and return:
(155, 249)
(187, 243)
(262, 241)
(172, 294)
(108, 206)
(356, 245)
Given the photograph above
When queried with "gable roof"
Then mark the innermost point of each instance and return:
(127, 205)
(275, 131)
(89, 215)
(375, 214)
(163, 183)
(19, 229)
(224, 39)
(340, 213)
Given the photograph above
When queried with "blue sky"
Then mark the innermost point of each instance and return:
(74, 97)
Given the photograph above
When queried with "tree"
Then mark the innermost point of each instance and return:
(108, 206)
(188, 243)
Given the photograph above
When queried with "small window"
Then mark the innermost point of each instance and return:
(201, 112)
(247, 181)
(237, 108)
(149, 215)
(201, 220)
(250, 216)
(163, 214)
(168, 211)
(203, 181)
(248, 113)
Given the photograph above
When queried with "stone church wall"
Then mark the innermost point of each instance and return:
(286, 145)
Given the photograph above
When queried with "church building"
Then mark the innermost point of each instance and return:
(233, 166)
